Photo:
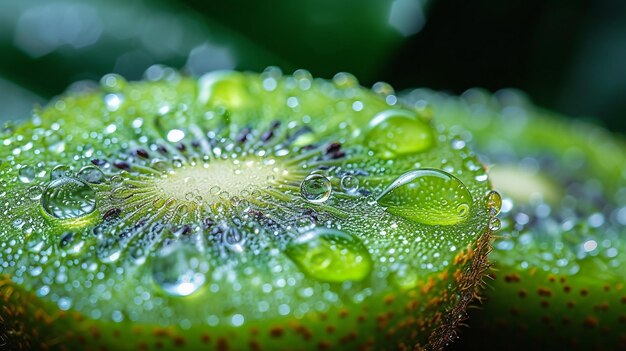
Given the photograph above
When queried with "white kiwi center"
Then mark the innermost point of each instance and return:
(218, 180)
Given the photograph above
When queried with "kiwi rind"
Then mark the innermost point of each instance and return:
(558, 279)
(100, 129)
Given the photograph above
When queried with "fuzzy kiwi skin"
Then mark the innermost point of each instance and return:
(421, 316)
(558, 279)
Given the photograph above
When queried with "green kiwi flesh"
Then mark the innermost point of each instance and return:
(237, 211)
(560, 258)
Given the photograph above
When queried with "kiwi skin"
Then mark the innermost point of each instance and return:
(423, 315)
(558, 281)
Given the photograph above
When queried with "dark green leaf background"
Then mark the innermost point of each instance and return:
(567, 55)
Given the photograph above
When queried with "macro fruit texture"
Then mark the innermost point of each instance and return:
(560, 258)
(238, 211)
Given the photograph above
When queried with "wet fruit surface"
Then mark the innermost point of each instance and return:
(561, 256)
(238, 211)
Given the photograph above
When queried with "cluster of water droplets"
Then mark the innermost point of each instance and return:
(156, 204)
(559, 210)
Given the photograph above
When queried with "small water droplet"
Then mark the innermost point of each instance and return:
(66, 198)
(113, 101)
(34, 192)
(316, 188)
(224, 88)
(428, 196)
(161, 166)
(234, 240)
(175, 135)
(383, 89)
(27, 174)
(350, 184)
(112, 82)
(494, 202)
(109, 249)
(35, 244)
(330, 255)
(116, 181)
(495, 224)
(71, 243)
(60, 171)
(345, 80)
(398, 132)
(176, 270)
(91, 174)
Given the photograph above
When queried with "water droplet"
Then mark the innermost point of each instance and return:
(113, 101)
(350, 184)
(91, 174)
(66, 198)
(34, 192)
(35, 244)
(345, 80)
(112, 82)
(406, 279)
(428, 196)
(330, 255)
(494, 202)
(109, 249)
(176, 270)
(175, 135)
(316, 188)
(224, 88)
(27, 174)
(383, 89)
(398, 132)
(495, 224)
(71, 243)
(234, 240)
(116, 181)
(60, 171)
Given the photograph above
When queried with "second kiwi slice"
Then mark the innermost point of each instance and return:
(237, 211)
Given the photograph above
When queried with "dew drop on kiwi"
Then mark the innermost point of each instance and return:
(350, 184)
(494, 202)
(91, 174)
(71, 243)
(316, 188)
(428, 196)
(60, 171)
(495, 224)
(34, 192)
(224, 88)
(397, 132)
(176, 270)
(330, 255)
(66, 198)
(27, 174)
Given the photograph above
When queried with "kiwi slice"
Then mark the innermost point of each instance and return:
(237, 211)
(560, 258)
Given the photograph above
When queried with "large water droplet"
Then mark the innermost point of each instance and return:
(316, 188)
(428, 196)
(176, 270)
(398, 132)
(66, 198)
(330, 255)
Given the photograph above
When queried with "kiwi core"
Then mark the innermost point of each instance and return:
(216, 180)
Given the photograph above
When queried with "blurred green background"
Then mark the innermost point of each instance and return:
(569, 56)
